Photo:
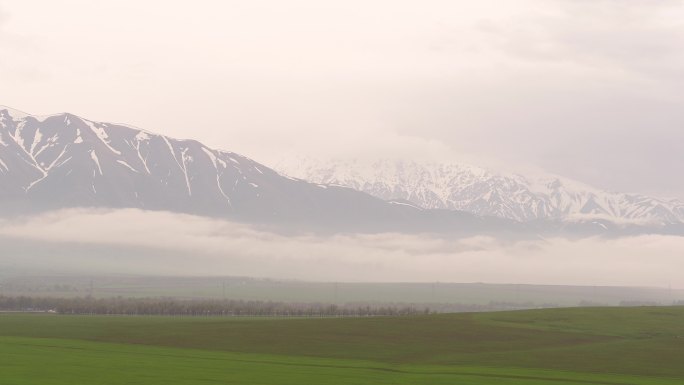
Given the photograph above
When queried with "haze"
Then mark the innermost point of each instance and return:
(586, 89)
(134, 241)
(309, 192)
(589, 90)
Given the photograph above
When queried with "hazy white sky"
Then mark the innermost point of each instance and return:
(590, 89)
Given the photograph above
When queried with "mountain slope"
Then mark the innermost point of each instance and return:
(65, 161)
(484, 192)
(61, 161)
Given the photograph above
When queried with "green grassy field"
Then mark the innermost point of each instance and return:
(544, 347)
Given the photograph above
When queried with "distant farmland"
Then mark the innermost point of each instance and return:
(436, 295)
(617, 346)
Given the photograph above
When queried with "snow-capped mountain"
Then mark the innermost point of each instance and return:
(62, 161)
(65, 161)
(485, 192)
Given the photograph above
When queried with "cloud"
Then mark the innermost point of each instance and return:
(587, 89)
(4, 16)
(125, 241)
(18, 51)
(616, 36)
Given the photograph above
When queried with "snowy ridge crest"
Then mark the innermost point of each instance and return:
(97, 163)
(63, 161)
(484, 192)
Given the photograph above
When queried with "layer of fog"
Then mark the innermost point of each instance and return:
(133, 241)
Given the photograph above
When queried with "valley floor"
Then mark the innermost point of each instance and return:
(538, 347)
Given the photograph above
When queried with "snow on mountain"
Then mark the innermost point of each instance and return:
(63, 160)
(484, 192)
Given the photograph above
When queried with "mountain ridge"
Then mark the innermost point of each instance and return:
(481, 191)
(60, 161)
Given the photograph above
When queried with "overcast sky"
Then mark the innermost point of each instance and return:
(589, 89)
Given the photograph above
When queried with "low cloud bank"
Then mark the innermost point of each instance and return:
(135, 241)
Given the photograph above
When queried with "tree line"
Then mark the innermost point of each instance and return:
(199, 307)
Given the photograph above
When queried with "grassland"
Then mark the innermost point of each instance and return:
(544, 347)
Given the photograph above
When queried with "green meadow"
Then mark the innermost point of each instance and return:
(642, 345)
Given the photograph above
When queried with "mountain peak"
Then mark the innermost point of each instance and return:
(21, 115)
(481, 191)
(13, 112)
(63, 161)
